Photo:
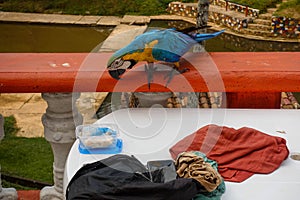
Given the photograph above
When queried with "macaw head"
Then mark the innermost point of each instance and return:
(117, 66)
(126, 57)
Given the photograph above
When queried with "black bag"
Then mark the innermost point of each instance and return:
(123, 177)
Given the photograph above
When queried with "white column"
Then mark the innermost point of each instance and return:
(60, 121)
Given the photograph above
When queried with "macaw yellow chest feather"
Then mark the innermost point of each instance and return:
(143, 55)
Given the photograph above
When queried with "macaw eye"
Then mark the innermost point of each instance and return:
(118, 62)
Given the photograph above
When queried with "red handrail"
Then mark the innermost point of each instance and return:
(231, 72)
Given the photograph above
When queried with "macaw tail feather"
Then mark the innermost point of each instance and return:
(192, 28)
(205, 36)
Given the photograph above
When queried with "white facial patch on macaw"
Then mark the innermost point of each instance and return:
(119, 64)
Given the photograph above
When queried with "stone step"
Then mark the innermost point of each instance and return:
(121, 36)
(263, 21)
(260, 27)
(267, 16)
(257, 32)
(271, 10)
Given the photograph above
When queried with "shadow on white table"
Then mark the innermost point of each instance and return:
(149, 133)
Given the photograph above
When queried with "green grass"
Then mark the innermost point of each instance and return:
(10, 127)
(289, 9)
(297, 96)
(262, 5)
(123, 7)
(289, 4)
(29, 158)
(6, 184)
(88, 7)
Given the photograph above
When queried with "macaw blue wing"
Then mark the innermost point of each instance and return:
(174, 44)
(138, 44)
(170, 47)
(166, 45)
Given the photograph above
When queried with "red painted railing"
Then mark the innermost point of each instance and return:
(250, 79)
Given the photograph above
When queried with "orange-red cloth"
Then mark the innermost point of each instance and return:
(240, 153)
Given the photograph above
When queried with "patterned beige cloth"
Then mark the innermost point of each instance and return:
(189, 165)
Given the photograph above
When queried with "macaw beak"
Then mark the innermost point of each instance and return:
(119, 66)
(116, 73)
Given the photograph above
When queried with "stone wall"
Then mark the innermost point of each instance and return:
(216, 16)
(232, 19)
(233, 23)
(186, 10)
(190, 10)
(236, 7)
(286, 27)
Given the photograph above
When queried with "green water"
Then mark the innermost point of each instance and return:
(35, 38)
(231, 43)
(50, 38)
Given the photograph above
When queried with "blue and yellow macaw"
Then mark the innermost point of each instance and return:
(166, 45)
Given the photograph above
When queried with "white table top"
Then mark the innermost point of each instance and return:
(149, 133)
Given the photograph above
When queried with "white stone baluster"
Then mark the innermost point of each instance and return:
(6, 193)
(60, 121)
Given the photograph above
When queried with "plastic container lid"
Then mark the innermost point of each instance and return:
(99, 139)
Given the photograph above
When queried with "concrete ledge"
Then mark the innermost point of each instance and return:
(131, 19)
(39, 18)
(59, 19)
(89, 20)
(121, 36)
(109, 21)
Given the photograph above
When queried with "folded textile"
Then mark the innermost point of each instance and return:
(190, 165)
(123, 177)
(219, 191)
(239, 153)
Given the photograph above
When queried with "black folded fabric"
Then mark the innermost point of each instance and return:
(124, 177)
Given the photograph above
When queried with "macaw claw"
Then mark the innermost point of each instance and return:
(172, 73)
(150, 69)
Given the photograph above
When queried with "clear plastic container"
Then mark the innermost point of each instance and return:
(99, 139)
